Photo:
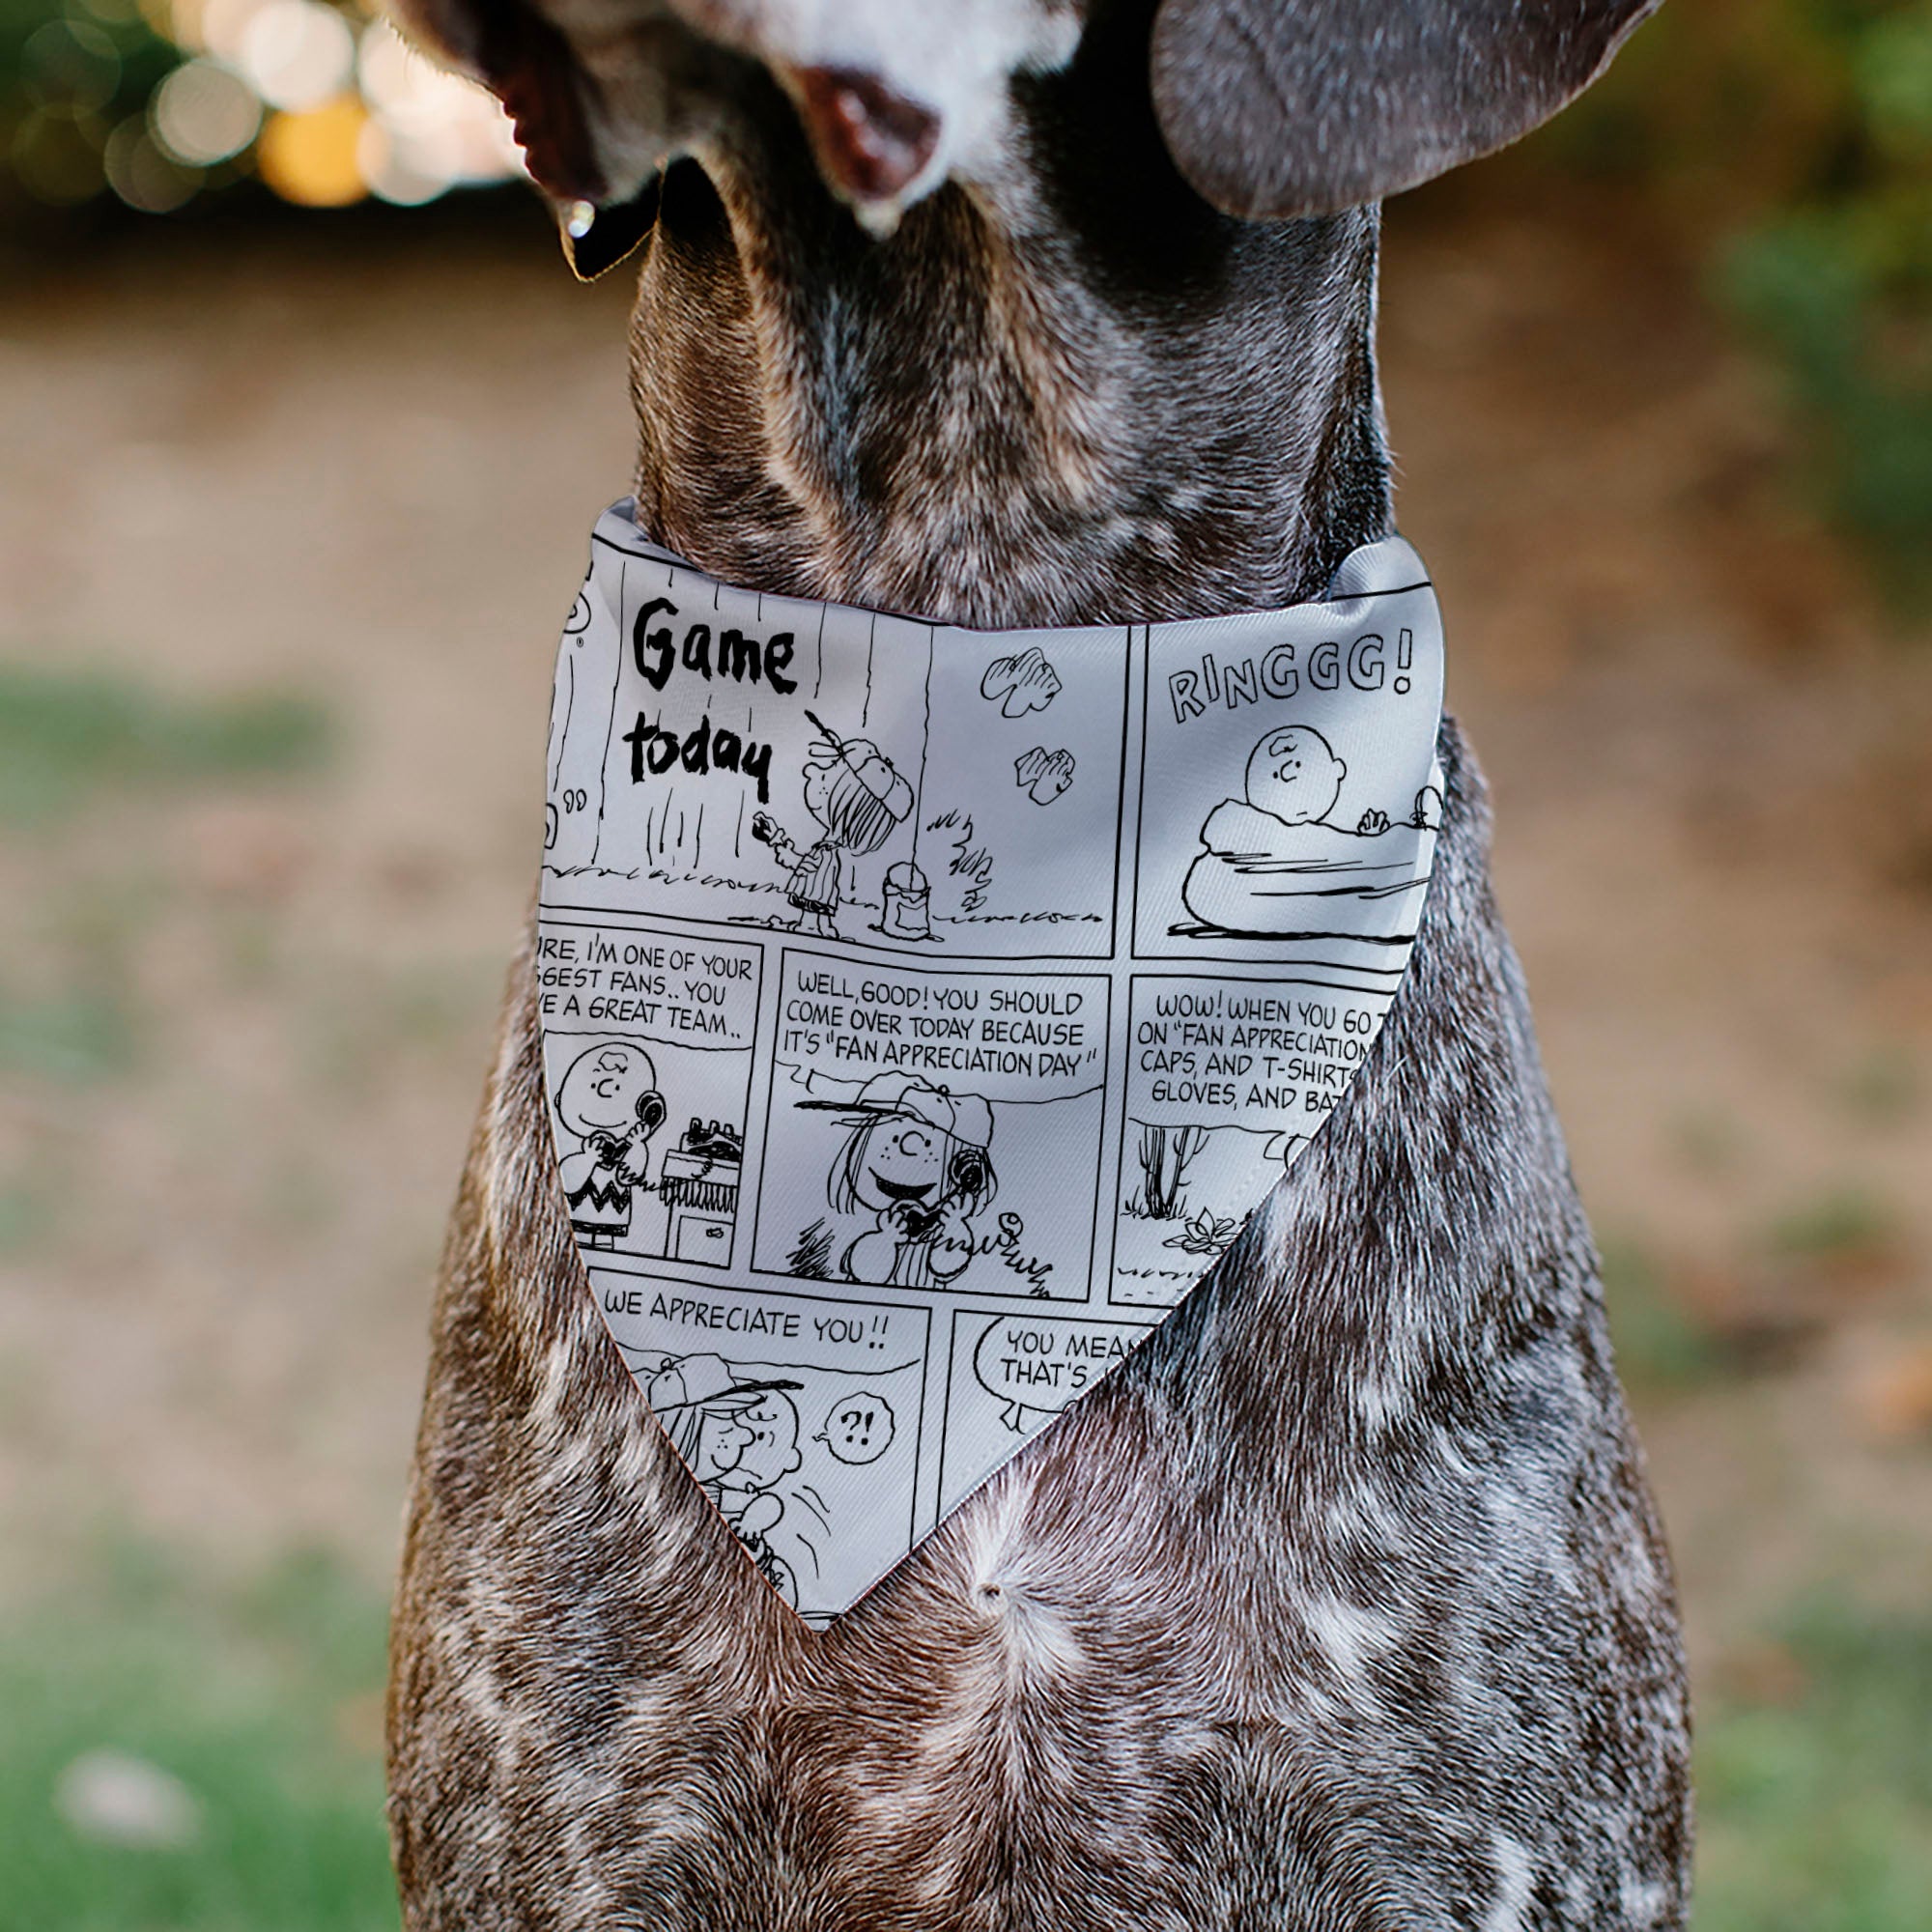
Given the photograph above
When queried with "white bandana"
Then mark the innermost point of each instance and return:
(924, 1010)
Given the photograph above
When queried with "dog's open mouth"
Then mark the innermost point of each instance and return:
(597, 238)
(527, 63)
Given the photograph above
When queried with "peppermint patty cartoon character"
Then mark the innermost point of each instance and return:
(609, 1099)
(917, 1165)
(859, 799)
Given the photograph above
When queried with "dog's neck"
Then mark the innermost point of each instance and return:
(1073, 396)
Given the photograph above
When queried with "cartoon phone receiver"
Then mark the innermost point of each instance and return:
(969, 1178)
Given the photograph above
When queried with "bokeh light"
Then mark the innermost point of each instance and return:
(56, 153)
(160, 102)
(296, 54)
(204, 112)
(142, 173)
(72, 61)
(312, 157)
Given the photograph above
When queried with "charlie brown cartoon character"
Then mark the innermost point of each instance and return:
(857, 799)
(1278, 861)
(1294, 776)
(609, 1099)
(739, 1436)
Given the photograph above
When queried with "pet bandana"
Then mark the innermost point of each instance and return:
(926, 1010)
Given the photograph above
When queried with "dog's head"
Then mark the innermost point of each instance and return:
(1270, 109)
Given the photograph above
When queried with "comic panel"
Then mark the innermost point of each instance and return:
(1228, 1080)
(647, 1049)
(1020, 826)
(926, 1127)
(1012, 1372)
(763, 761)
(1289, 794)
(800, 1419)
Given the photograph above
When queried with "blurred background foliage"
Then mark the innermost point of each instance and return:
(155, 106)
(1799, 133)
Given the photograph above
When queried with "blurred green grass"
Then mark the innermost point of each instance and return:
(68, 735)
(72, 738)
(261, 1700)
(1815, 1799)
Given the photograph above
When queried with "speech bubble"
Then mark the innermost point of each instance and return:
(1000, 1035)
(694, 993)
(1031, 1364)
(858, 1428)
(1270, 1059)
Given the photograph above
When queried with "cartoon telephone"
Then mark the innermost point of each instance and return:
(967, 1174)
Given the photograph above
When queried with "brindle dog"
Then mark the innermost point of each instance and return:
(1342, 1604)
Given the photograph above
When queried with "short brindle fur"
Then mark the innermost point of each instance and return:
(1341, 1606)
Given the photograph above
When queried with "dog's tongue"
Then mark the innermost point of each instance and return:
(870, 142)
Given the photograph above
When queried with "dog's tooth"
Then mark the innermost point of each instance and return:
(579, 218)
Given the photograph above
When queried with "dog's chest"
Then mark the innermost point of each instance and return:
(1294, 1570)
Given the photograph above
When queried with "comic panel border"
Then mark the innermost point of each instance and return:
(1135, 982)
(617, 1031)
(1092, 973)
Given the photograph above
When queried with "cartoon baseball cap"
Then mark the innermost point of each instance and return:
(705, 1381)
(966, 1117)
(866, 764)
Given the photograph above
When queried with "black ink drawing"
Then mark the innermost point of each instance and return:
(968, 867)
(1198, 1184)
(699, 1186)
(1021, 683)
(1166, 1153)
(1285, 861)
(859, 1428)
(913, 1174)
(609, 1099)
(857, 799)
(1043, 775)
(771, 1441)
(739, 1435)
(769, 770)
(907, 903)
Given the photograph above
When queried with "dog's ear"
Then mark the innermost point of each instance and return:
(1287, 107)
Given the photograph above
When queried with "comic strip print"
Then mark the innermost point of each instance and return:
(799, 1419)
(764, 763)
(1012, 1374)
(1228, 1080)
(925, 1011)
(647, 1048)
(1308, 772)
(923, 1126)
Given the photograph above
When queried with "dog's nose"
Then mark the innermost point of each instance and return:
(870, 142)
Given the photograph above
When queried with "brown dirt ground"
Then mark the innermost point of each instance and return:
(362, 465)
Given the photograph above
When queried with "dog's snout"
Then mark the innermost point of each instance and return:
(871, 142)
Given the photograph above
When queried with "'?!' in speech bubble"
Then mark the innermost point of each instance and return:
(858, 1428)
